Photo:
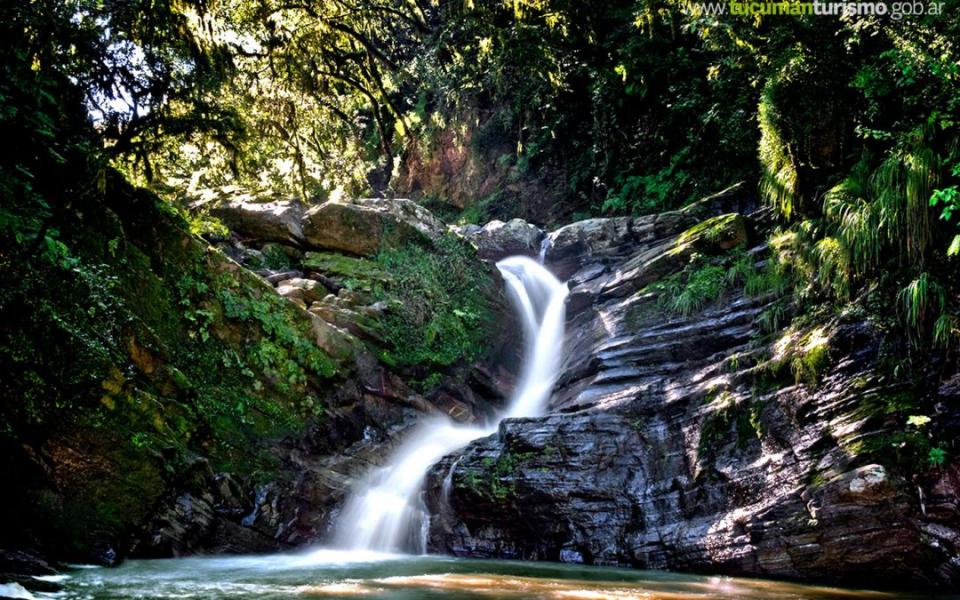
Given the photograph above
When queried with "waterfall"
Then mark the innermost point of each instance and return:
(540, 299)
(386, 511)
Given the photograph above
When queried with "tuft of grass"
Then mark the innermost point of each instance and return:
(812, 357)
(833, 262)
(703, 282)
(856, 218)
(703, 286)
(918, 301)
(773, 317)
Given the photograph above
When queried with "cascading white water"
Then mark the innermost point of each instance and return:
(386, 513)
(541, 299)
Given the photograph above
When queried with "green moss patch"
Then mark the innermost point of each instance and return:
(353, 272)
(439, 304)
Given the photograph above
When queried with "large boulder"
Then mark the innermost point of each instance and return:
(365, 226)
(264, 219)
(607, 240)
(23, 571)
(497, 239)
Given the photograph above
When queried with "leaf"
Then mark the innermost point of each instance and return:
(954, 248)
(937, 456)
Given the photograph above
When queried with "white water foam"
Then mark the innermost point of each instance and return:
(386, 512)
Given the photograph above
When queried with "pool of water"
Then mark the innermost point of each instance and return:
(337, 574)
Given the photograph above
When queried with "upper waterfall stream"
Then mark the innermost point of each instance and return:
(385, 512)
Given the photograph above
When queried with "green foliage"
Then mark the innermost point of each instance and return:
(498, 480)
(83, 316)
(911, 441)
(438, 310)
(356, 273)
(287, 353)
(645, 194)
(277, 258)
(562, 93)
(205, 226)
(145, 70)
(946, 330)
(704, 281)
(857, 219)
(321, 94)
(888, 209)
(428, 383)
(833, 266)
(779, 181)
(703, 285)
(801, 355)
(480, 210)
(773, 317)
(772, 279)
(119, 349)
(948, 199)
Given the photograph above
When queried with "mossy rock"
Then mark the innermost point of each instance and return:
(365, 227)
(341, 267)
(714, 235)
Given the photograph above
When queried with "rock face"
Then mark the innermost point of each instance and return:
(674, 442)
(19, 571)
(465, 166)
(364, 226)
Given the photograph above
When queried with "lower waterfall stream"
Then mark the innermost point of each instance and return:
(386, 513)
